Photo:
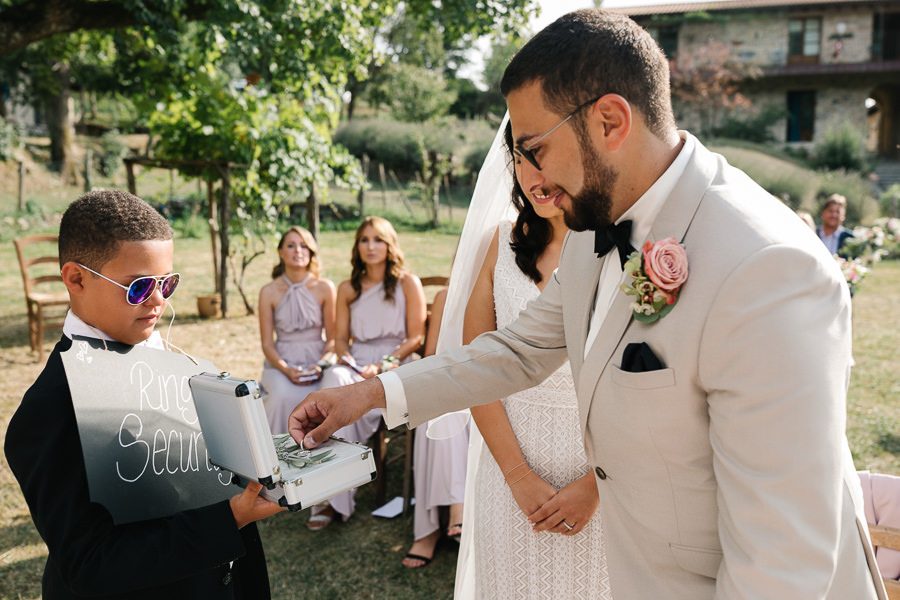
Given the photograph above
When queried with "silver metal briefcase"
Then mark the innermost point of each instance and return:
(238, 439)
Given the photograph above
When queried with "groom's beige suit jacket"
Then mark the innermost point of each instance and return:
(727, 473)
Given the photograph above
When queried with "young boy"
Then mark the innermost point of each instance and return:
(109, 240)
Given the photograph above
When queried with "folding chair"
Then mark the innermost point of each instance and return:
(39, 263)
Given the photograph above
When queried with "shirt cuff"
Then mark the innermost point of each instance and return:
(395, 412)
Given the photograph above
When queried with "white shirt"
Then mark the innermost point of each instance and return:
(73, 326)
(831, 240)
(642, 214)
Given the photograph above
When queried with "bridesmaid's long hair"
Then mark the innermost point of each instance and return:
(393, 270)
(530, 233)
(315, 268)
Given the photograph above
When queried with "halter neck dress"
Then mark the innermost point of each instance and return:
(377, 327)
(299, 341)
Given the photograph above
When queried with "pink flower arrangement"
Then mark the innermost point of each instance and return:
(658, 273)
(854, 272)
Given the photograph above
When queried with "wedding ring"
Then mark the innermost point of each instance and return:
(569, 527)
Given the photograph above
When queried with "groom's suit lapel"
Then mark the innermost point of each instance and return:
(673, 220)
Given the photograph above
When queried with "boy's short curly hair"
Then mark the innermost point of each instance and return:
(95, 225)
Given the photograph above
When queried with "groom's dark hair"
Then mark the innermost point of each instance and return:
(590, 53)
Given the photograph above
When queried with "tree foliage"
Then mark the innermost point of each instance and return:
(707, 81)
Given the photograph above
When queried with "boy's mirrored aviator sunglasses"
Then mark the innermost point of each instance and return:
(527, 153)
(142, 288)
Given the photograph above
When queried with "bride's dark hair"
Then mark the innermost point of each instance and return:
(530, 233)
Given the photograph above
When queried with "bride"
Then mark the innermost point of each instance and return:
(536, 455)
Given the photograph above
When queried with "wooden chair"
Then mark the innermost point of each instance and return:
(39, 263)
(887, 537)
(384, 436)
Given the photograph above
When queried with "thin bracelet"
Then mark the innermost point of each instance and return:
(520, 478)
(505, 475)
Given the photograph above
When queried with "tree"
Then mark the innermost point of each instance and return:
(707, 80)
(503, 48)
(180, 59)
(23, 22)
(414, 94)
(283, 144)
(313, 48)
(432, 41)
(47, 72)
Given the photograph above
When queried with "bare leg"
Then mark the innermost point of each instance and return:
(456, 519)
(422, 551)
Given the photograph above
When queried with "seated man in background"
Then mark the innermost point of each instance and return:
(832, 231)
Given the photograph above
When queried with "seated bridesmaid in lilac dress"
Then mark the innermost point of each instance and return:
(439, 472)
(296, 325)
(379, 323)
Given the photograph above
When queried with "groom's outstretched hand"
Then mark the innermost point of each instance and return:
(325, 411)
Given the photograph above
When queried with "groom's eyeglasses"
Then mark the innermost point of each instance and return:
(140, 290)
(527, 152)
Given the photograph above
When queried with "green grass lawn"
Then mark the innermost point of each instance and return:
(873, 407)
(361, 558)
(358, 559)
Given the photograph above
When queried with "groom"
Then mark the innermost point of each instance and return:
(716, 432)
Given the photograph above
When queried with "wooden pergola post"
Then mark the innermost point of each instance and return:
(129, 170)
(361, 195)
(312, 211)
(224, 220)
(21, 186)
(213, 221)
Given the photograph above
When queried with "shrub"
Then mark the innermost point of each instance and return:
(475, 158)
(797, 152)
(399, 146)
(468, 98)
(10, 140)
(805, 188)
(889, 201)
(396, 145)
(756, 128)
(841, 148)
(112, 149)
(779, 177)
(418, 94)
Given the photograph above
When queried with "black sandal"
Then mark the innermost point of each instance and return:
(456, 537)
(424, 559)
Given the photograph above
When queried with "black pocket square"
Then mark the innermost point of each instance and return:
(639, 358)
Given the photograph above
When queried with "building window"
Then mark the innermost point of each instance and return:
(804, 40)
(886, 36)
(666, 37)
(801, 116)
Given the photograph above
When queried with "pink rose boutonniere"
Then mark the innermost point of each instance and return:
(658, 272)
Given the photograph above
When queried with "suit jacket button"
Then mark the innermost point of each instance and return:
(227, 579)
(600, 472)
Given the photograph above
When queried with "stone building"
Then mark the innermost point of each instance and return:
(819, 64)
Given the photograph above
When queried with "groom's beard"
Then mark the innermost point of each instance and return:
(592, 205)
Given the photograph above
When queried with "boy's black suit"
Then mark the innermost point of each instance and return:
(187, 555)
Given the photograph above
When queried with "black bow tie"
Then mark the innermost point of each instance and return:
(614, 236)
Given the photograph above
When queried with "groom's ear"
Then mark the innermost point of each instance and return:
(615, 117)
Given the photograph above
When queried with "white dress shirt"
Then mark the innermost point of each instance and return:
(832, 240)
(73, 326)
(642, 215)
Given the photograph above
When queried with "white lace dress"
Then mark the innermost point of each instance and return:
(512, 562)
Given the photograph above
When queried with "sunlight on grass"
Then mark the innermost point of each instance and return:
(361, 558)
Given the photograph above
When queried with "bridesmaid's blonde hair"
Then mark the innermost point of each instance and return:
(314, 268)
